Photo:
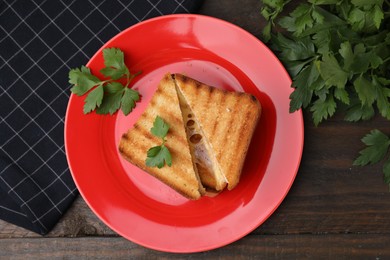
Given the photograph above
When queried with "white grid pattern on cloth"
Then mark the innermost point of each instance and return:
(29, 177)
(29, 115)
(22, 20)
(14, 211)
(180, 4)
(154, 7)
(44, 163)
(32, 90)
(21, 48)
(65, 62)
(19, 197)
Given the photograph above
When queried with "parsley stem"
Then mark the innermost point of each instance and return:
(130, 77)
(104, 82)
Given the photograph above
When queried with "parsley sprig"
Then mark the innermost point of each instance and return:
(378, 145)
(110, 94)
(159, 155)
(337, 53)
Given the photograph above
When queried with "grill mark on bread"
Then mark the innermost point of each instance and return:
(121, 149)
(196, 87)
(144, 133)
(242, 134)
(197, 84)
(152, 103)
(208, 97)
(222, 101)
(173, 133)
(169, 118)
(182, 78)
(230, 122)
(163, 96)
(124, 136)
(165, 113)
(254, 99)
(142, 146)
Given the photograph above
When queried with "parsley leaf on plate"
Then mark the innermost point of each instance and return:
(109, 95)
(112, 98)
(82, 80)
(128, 100)
(93, 99)
(114, 61)
(157, 156)
(160, 127)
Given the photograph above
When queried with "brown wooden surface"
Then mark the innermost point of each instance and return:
(333, 211)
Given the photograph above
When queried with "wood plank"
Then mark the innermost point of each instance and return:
(267, 246)
(244, 13)
(330, 195)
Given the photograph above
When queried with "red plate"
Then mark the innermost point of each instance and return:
(139, 207)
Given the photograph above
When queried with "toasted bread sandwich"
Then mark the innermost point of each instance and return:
(227, 121)
(210, 133)
(134, 144)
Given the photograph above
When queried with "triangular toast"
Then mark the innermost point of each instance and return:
(210, 132)
(209, 172)
(182, 175)
(227, 120)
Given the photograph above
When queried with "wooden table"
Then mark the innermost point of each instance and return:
(334, 210)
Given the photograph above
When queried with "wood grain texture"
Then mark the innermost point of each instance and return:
(250, 247)
(333, 210)
(243, 13)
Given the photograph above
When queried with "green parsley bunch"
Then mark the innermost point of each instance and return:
(109, 95)
(337, 53)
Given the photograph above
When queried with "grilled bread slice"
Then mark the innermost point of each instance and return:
(209, 172)
(182, 176)
(227, 121)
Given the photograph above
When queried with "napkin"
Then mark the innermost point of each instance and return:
(40, 41)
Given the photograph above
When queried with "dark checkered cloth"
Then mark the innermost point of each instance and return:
(40, 41)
